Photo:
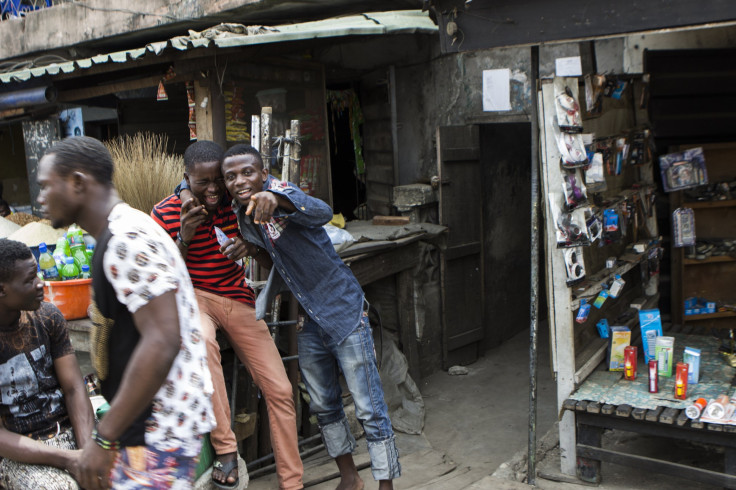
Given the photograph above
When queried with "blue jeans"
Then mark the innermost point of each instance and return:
(321, 361)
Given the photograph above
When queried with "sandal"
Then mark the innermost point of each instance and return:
(226, 468)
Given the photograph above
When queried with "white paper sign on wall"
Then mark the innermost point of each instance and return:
(497, 90)
(569, 67)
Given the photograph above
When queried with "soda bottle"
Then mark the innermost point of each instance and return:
(47, 264)
(61, 252)
(80, 256)
(90, 253)
(85, 274)
(77, 247)
(70, 270)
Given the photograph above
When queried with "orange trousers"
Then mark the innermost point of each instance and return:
(252, 343)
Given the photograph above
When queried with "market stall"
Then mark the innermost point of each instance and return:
(622, 360)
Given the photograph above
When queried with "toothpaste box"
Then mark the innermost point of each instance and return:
(620, 339)
(650, 323)
(691, 357)
(664, 351)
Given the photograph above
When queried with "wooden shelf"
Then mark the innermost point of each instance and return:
(710, 204)
(709, 260)
(710, 316)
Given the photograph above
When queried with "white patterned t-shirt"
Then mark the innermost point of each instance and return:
(141, 262)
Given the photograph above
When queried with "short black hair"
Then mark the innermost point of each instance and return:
(200, 152)
(11, 252)
(241, 149)
(83, 153)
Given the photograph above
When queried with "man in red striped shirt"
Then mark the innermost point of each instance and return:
(227, 302)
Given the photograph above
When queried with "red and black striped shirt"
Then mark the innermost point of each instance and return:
(209, 269)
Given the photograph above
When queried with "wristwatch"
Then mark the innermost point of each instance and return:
(181, 240)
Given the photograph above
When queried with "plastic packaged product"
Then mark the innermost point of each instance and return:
(683, 227)
(61, 252)
(222, 239)
(47, 264)
(650, 323)
(85, 274)
(691, 356)
(664, 348)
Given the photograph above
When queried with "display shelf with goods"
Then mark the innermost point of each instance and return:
(706, 273)
(629, 250)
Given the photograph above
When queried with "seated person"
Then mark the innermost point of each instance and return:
(45, 410)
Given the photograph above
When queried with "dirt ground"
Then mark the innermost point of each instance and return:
(476, 435)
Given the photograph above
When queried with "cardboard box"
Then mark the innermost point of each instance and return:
(664, 351)
(691, 357)
(620, 339)
(650, 323)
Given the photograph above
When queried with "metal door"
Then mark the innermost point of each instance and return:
(458, 157)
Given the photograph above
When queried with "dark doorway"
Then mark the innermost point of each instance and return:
(505, 156)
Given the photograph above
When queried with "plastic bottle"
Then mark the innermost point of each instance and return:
(61, 252)
(77, 246)
(90, 253)
(47, 264)
(85, 274)
(70, 270)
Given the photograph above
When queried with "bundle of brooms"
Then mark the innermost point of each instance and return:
(144, 172)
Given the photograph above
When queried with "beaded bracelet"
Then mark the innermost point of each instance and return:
(104, 443)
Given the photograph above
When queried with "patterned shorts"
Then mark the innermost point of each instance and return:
(22, 476)
(144, 467)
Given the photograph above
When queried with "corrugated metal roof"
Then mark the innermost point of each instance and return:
(376, 23)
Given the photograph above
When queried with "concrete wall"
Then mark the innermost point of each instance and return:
(447, 91)
(97, 25)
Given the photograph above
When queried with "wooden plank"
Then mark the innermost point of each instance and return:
(608, 409)
(569, 404)
(697, 424)
(560, 318)
(653, 415)
(390, 220)
(655, 465)
(581, 405)
(203, 110)
(638, 413)
(668, 415)
(383, 265)
(407, 321)
(593, 407)
(682, 419)
(715, 427)
(623, 410)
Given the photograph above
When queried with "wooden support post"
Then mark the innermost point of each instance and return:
(407, 322)
(266, 136)
(255, 132)
(285, 157)
(558, 294)
(292, 367)
(203, 110)
(296, 153)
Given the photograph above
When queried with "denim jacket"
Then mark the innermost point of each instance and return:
(305, 261)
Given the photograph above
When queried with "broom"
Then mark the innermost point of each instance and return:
(144, 172)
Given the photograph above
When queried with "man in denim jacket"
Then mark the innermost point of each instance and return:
(286, 224)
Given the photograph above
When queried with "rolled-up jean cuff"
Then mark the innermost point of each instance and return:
(338, 438)
(384, 459)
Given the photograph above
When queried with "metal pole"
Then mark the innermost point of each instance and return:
(534, 280)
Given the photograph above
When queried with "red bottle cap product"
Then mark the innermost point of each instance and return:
(630, 354)
(681, 381)
(653, 379)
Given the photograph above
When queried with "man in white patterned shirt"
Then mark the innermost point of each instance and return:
(152, 363)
